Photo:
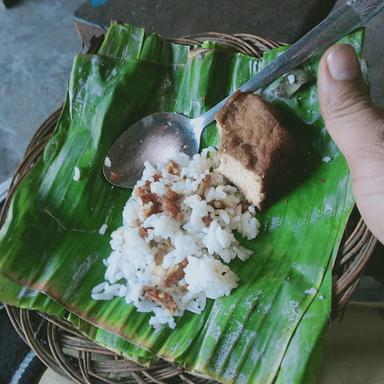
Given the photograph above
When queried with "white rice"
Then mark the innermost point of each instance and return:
(198, 240)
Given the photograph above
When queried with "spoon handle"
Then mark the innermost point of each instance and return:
(354, 14)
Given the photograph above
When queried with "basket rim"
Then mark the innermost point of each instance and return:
(352, 259)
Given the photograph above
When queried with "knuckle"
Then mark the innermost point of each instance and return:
(348, 104)
(352, 108)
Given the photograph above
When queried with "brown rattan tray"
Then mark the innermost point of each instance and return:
(64, 349)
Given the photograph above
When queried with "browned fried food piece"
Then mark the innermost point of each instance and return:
(172, 167)
(171, 204)
(143, 232)
(204, 185)
(163, 249)
(175, 274)
(256, 151)
(207, 220)
(158, 296)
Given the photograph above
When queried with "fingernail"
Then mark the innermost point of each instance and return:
(342, 63)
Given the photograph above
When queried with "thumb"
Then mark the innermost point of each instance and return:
(357, 127)
(353, 122)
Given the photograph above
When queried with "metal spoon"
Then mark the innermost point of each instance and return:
(159, 136)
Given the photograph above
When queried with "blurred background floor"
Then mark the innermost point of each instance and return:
(38, 43)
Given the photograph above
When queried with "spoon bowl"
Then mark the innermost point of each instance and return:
(154, 138)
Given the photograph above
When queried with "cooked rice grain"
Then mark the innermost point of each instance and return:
(171, 253)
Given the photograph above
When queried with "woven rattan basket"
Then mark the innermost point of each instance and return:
(64, 349)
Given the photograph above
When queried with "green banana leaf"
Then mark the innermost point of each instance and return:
(21, 297)
(50, 239)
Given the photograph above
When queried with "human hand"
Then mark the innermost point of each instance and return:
(357, 127)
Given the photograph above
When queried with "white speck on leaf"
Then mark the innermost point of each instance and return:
(291, 79)
(97, 91)
(230, 339)
(267, 309)
(292, 310)
(310, 291)
(76, 173)
(326, 159)
(103, 229)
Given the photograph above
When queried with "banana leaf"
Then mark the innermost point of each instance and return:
(22, 297)
(50, 240)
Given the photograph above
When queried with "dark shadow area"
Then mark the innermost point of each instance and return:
(16, 356)
(11, 3)
(306, 158)
(375, 267)
(317, 13)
